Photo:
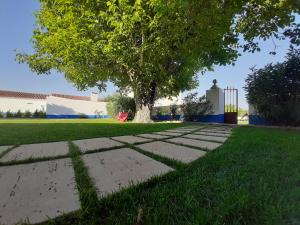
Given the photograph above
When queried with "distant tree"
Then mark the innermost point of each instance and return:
(173, 111)
(19, 114)
(154, 48)
(194, 106)
(119, 103)
(27, 114)
(1, 114)
(275, 90)
(9, 114)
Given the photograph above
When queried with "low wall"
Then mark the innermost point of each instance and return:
(206, 118)
(258, 120)
(22, 104)
(68, 108)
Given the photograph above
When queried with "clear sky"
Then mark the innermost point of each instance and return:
(17, 22)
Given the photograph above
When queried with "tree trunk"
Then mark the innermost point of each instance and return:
(144, 99)
(143, 114)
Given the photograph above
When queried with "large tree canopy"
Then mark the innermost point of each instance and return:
(151, 47)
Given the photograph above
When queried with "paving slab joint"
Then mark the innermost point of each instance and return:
(86, 188)
(169, 162)
(7, 151)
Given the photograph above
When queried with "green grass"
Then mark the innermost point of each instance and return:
(254, 178)
(26, 131)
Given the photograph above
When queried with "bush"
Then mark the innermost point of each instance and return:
(119, 103)
(39, 114)
(173, 111)
(194, 106)
(19, 114)
(9, 114)
(274, 91)
(82, 116)
(27, 114)
(1, 114)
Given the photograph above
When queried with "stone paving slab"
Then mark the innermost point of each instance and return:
(4, 148)
(187, 129)
(212, 134)
(173, 134)
(131, 139)
(96, 144)
(195, 143)
(206, 138)
(153, 136)
(172, 151)
(178, 131)
(41, 150)
(37, 191)
(117, 169)
(217, 131)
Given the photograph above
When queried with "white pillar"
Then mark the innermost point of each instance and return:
(215, 96)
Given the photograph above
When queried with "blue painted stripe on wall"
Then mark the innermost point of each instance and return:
(258, 120)
(77, 116)
(165, 117)
(208, 118)
(211, 118)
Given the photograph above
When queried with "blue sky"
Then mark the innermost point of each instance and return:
(17, 22)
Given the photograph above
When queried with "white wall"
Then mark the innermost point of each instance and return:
(168, 102)
(23, 104)
(64, 106)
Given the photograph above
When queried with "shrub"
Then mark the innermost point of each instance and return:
(9, 114)
(19, 114)
(39, 114)
(173, 111)
(27, 114)
(119, 103)
(194, 106)
(1, 114)
(82, 116)
(274, 91)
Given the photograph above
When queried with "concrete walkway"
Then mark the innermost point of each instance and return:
(38, 180)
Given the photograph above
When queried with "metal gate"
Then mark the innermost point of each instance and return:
(230, 105)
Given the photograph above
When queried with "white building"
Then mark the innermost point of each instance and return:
(55, 105)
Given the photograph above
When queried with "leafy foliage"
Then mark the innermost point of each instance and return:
(1, 114)
(173, 111)
(19, 114)
(119, 103)
(154, 48)
(194, 106)
(39, 114)
(9, 114)
(27, 114)
(275, 90)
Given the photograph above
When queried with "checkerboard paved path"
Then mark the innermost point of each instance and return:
(38, 180)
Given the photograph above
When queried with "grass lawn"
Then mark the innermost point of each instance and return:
(254, 178)
(26, 131)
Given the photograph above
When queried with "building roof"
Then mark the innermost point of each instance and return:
(16, 94)
(37, 96)
(73, 97)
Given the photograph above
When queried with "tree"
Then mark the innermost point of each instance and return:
(275, 90)
(194, 106)
(154, 48)
(119, 103)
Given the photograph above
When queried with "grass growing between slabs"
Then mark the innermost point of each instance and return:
(254, 178)
(28, 131)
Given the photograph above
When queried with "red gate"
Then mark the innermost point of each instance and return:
(230, 105)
